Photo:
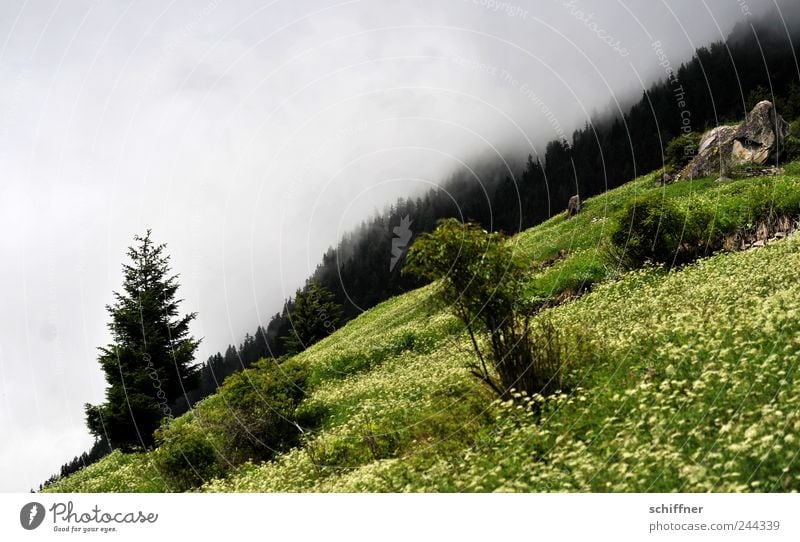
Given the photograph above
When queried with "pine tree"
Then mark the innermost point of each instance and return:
(148, 366)
(232, 362)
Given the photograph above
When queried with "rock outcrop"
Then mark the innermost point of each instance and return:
(754, 141)
(766, 231)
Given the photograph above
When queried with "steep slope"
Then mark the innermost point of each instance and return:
(686, 380)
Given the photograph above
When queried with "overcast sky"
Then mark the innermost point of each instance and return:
(249, 136)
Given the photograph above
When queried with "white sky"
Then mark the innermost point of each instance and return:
(249, 135)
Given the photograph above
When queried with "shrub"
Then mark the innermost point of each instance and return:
(649, 227)
(254, 411)
(791, 145)
(794, 127)
(791, 148)
(575, 275)
(481, 282)
(680, 150)
(185, 456)
(549, 355)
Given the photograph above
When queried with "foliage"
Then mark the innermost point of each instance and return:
(571, 276)
(480, 281)
(789, 103)
(253, 414)
(545, 373)
(149, 364)
(186, 456)
(649, 228)
(681, 149)
(791, 147)
(758, 94)
(117, 472)
(794, 126)
(315, 315)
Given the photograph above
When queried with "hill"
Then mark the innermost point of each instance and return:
(681, 379)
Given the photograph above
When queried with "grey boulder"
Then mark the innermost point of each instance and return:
(754, 141)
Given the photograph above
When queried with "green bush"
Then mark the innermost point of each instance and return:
(649, 228)
(480, 282)
(681, 150)
(794, 127)
(575, 275)
(791, 145)
(254, 411)
(186, 455)
(791, 148)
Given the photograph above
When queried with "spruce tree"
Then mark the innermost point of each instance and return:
(148, 366)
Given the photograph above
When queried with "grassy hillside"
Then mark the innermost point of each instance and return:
(686, 380)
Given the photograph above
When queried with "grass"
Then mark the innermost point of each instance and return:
(690, 383)
(117, 472)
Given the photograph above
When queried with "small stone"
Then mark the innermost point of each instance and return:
(665, 179)
(574, 206)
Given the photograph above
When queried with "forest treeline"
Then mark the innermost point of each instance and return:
(718, 85)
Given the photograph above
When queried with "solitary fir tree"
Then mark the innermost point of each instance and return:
(149, 364)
